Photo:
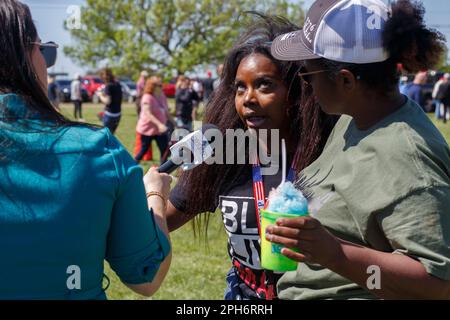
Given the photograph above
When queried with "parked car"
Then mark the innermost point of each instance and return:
(64, 91)
(169, 88)
(129, 90)
(92, 84)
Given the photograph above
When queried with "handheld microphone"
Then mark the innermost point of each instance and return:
(168, 167)
(195, 144)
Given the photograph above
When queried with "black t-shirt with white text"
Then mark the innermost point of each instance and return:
(237, 206)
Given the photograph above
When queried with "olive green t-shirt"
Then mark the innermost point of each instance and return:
(386, 188)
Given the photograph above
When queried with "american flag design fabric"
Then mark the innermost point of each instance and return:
(258, 191)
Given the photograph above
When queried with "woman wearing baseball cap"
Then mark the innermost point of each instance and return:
(382, 183)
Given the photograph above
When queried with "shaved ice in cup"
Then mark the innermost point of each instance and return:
(284, 202)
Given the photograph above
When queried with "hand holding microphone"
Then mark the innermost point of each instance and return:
(157, 182)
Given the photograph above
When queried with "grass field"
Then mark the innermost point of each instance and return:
(198, 267)
(444, 128)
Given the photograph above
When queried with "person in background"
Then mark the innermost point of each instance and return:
(438, 94)
(444, 97)
(208, 88)
(71, 196)
(403, 85)
(75, 96)
(140, 85)
(140, 89)
(148, 156)
(193, 84)
(152, 121)
(219, 77)
(111, 96)
(198, 87)
(414, 91)
(185, 99)
(53, 92)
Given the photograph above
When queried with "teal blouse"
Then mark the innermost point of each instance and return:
(70, 198)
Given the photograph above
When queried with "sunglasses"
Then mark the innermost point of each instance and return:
(49, 51)
(307, 76)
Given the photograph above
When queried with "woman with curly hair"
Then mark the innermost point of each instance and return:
(382, 228)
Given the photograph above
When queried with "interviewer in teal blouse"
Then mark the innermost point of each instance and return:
(70, 195)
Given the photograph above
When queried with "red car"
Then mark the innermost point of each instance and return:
(170, 88)
(92, 84)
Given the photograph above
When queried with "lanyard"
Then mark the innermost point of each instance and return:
(258, 187)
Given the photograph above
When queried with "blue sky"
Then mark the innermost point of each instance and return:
(49, 16)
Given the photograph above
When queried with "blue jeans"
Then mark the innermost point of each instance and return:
(232, 291)
(437, 111)
(111, 123)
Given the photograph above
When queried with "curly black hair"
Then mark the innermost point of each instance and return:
(408, 41)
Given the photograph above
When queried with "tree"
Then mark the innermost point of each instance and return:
(443, 64)
(167, 35)
(445, 69)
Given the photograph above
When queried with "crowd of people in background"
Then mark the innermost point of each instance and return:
(190, 94)
(156, 123)
(430, 95)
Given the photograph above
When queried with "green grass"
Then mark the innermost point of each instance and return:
(444, 128)
(197, 271)
(198, 267)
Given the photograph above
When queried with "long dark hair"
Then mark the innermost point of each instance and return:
(107, 75)
(408, 41)
(309, 127)
(17, 74)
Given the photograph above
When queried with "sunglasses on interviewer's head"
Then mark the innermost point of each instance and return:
(49, 51)
(306, 76)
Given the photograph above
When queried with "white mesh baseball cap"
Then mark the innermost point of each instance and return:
(339, 30)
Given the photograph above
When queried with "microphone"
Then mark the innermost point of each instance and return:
(195, 144)
(168, 167)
